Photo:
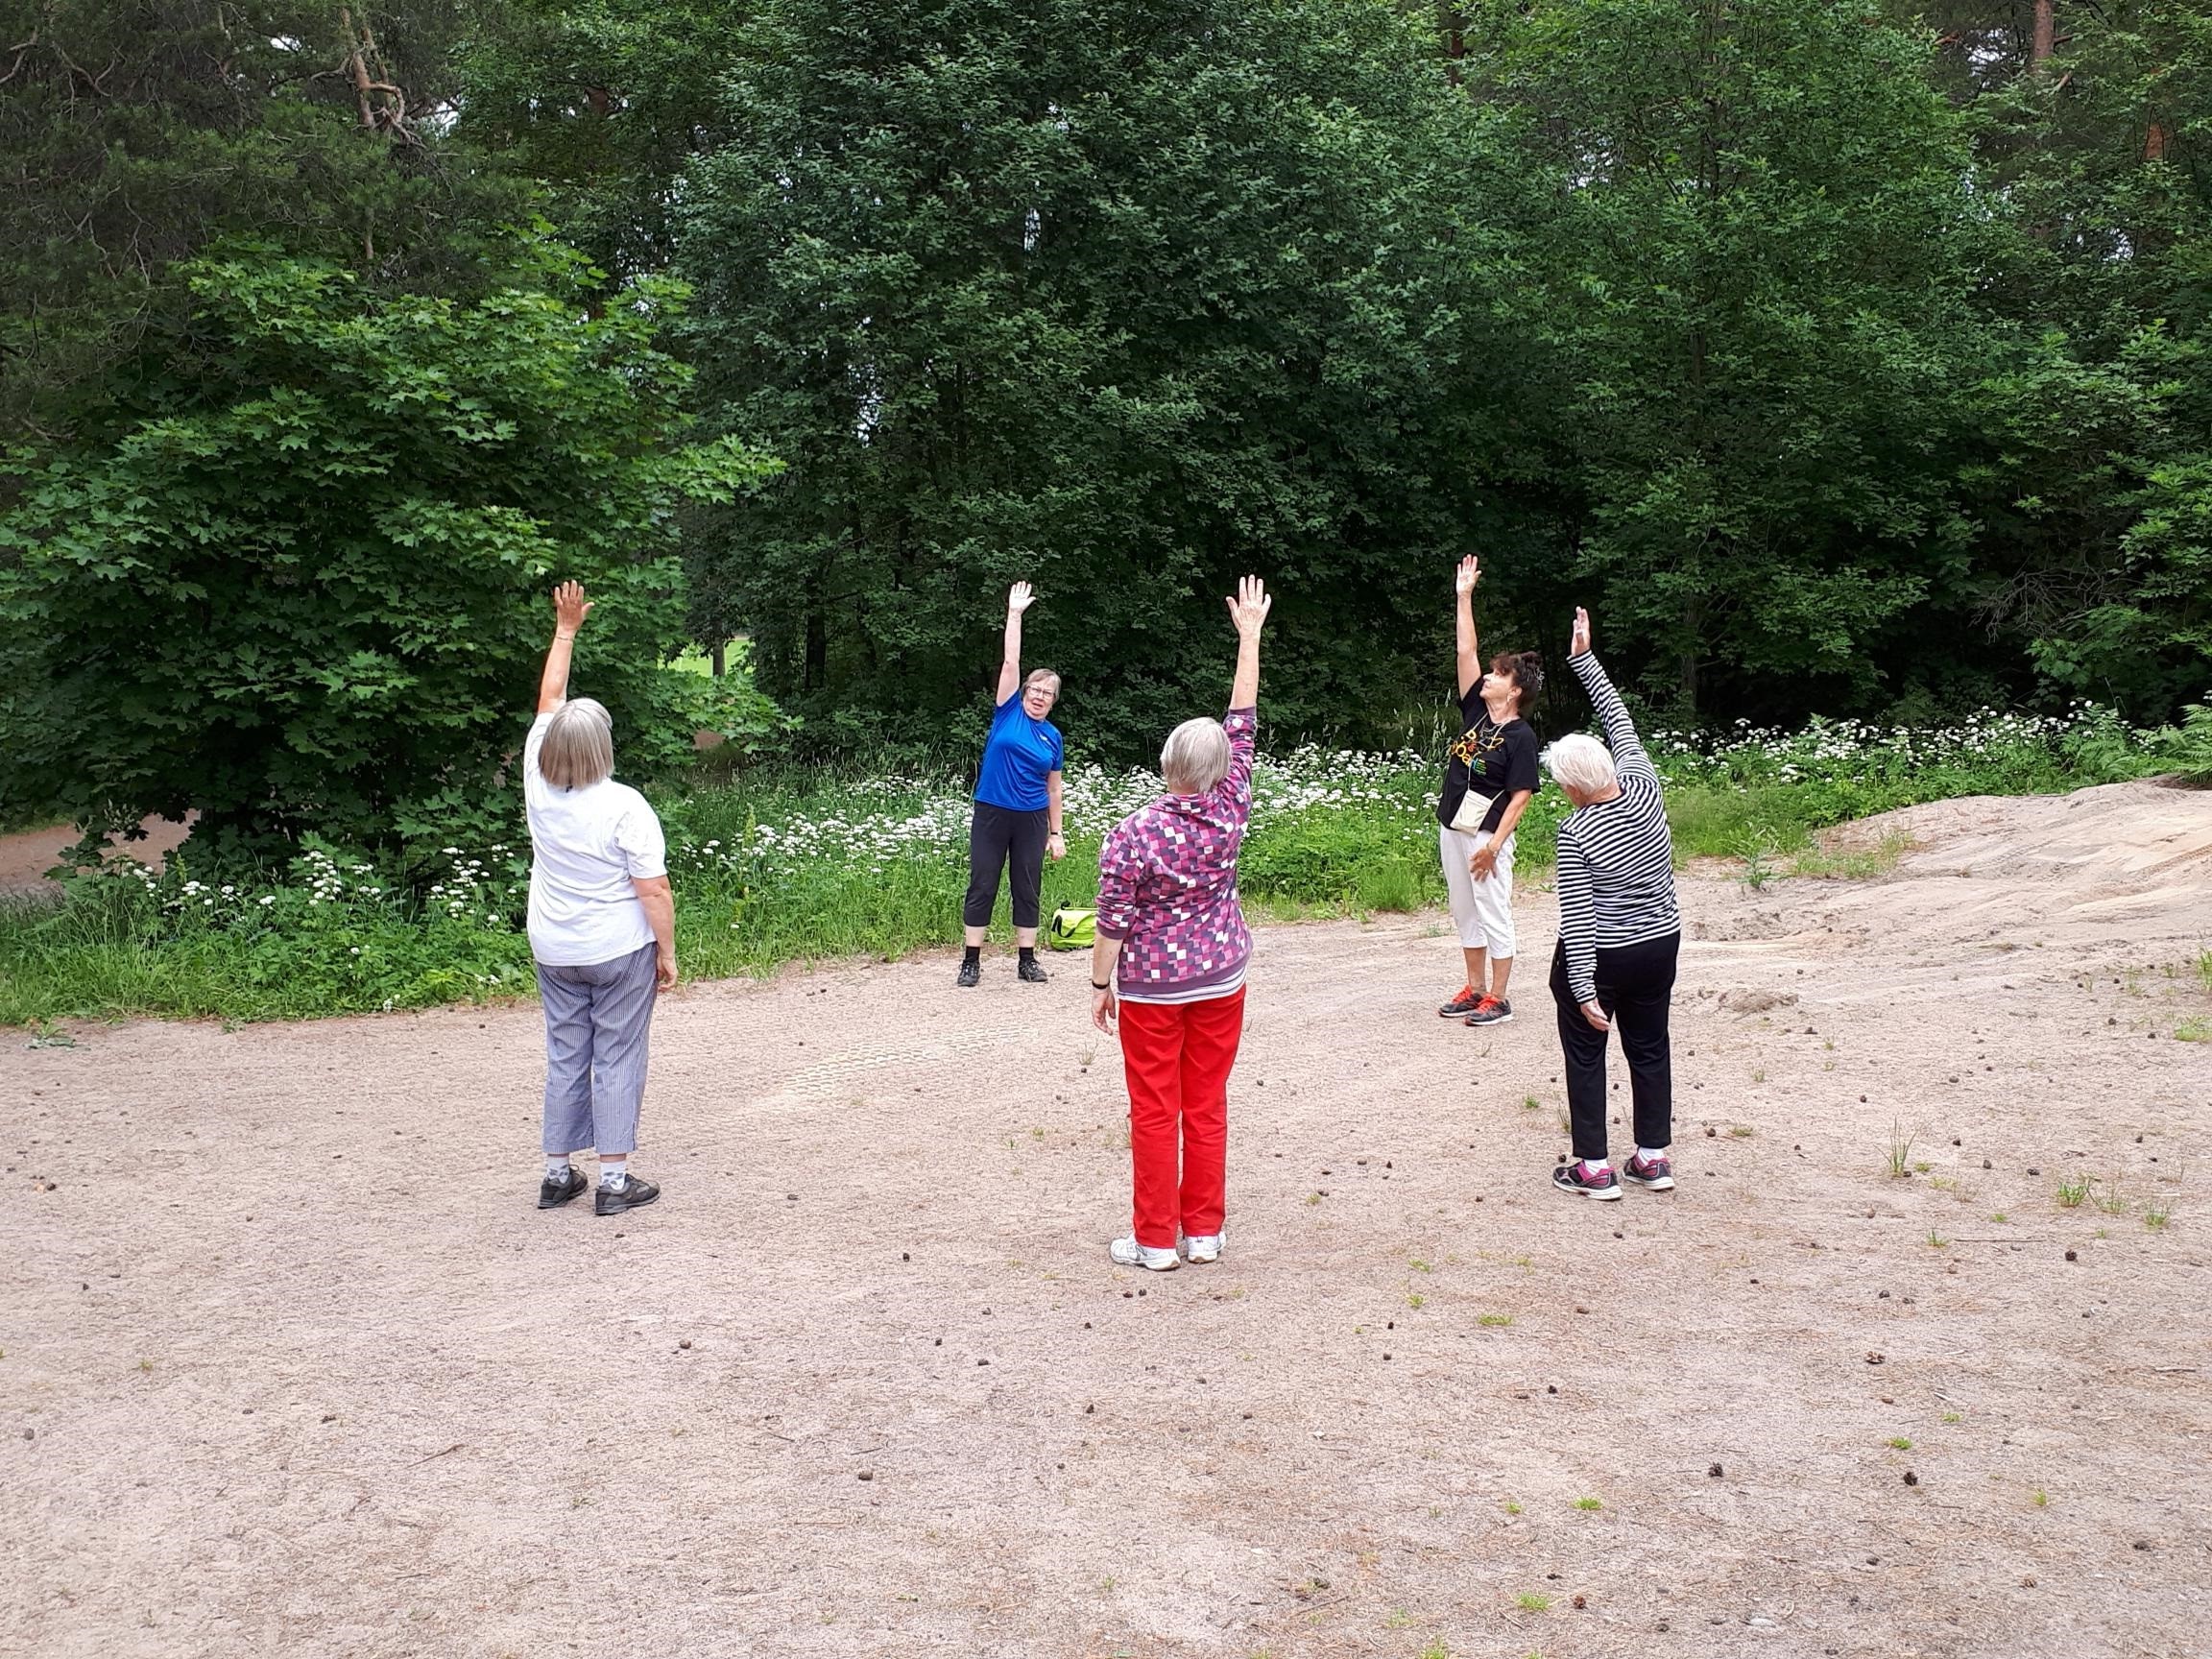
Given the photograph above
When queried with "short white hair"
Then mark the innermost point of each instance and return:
(578, 749)
(1195, 757)
(1582, 763)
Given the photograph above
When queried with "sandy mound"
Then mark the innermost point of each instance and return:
(2118, 835)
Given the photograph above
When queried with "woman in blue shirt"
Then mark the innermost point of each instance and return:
(1017, 818)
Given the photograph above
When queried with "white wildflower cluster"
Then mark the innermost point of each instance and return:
(479, 890)
(1857, 749)
(890, 820)
(326, 893)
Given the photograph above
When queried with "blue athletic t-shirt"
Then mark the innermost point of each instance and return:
(1015, 757)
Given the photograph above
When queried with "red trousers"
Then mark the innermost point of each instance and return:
(1177, 1057)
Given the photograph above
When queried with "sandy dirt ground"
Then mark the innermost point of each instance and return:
(26, 856)
(288, 1363)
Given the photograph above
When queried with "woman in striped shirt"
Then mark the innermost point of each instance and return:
(1620, 933)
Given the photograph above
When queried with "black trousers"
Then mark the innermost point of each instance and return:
(996, 836)
(1635, 985)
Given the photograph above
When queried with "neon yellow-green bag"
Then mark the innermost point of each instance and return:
(1072, 929)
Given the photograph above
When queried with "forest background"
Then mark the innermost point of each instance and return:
(1846, 359)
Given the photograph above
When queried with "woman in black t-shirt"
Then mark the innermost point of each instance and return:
(1489, 779)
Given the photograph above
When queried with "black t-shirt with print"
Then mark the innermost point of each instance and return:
(1495, 760)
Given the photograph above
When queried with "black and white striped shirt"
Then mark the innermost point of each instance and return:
(1616, 871)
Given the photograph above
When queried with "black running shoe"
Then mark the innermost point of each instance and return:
(1657, 1174)
(1490, 1011)
(552, 1193)
(970, 975)
(1580, 1180)
(1463, 1003)
(634, 1194)
(1030, 973)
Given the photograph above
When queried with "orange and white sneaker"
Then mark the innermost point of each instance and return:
(1463, 1003)
(1490, 1011)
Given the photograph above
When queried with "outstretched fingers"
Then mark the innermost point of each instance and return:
(570, 606)
(1249, 606)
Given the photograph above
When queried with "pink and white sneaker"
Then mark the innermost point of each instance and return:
(1655, 1174)
(1581, 1179)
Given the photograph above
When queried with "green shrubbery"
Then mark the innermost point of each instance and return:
(306, 593)
(776, 866)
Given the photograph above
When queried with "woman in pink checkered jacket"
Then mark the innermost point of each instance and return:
(1170, 962)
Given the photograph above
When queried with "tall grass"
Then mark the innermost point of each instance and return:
(792, 865)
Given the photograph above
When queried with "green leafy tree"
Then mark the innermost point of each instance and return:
(605, 104)
(1762, 262)
(137, 135)
(2094, 551)
(1124, 300)
(310, 594)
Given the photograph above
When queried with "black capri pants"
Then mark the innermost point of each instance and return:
(996, 836)
(1635, 985)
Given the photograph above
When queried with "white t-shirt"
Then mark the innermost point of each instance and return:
(586, 846)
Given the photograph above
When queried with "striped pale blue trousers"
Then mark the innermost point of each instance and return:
(598, 1019)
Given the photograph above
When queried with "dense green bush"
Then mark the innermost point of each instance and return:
(309, 596)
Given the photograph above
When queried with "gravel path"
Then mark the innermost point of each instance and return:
(290, 1365)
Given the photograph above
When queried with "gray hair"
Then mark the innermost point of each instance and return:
(1195, 757)
(1582, 763)
(1038, 676)
(578, 746)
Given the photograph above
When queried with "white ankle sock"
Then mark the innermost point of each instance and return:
(1596, 1166)
(556, 1168)
(1650, 1154)
(613, 1175)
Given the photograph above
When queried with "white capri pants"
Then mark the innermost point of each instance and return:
(1482, 909)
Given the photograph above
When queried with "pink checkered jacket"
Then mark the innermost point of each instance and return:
(1167, 886)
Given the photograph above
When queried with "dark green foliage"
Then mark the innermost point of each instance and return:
(606, 102)
(1125, 299)
(1761, 259)
(2105, 156)
(139, 134)
(310, 595)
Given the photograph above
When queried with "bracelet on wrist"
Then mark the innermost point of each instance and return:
(1095, 986)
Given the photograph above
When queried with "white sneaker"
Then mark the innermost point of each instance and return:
(1128, 1253)
(1204, 1247)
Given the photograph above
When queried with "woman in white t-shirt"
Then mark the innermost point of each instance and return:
(602, 929)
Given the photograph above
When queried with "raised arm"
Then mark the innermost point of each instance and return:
(1629, 755)
(1248, 610)
(569, 608)
(1464, 583)
(1019, 598)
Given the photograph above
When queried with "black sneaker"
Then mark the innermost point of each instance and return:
(552, 1193)
(1030, 973)
(1580, 1179)
(634, 1194)
(1490, 1011)
(1658, 1174)
(970, 975)
(1462, 1002)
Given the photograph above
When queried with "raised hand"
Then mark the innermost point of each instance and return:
(1469, 574)
(1019, 598)
(1581, 642)
(1249, 609)
(570, 607)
